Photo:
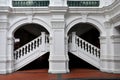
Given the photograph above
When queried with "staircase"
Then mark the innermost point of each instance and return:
(84, 50)
(31, 51)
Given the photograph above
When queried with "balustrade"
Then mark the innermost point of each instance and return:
(84, 45)
(29, 47)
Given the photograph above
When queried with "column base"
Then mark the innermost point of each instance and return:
(6, 66)
(110, 65)
(58, 71)
(58, 64)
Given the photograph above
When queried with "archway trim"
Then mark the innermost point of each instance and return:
(97, 24)
(24, 21)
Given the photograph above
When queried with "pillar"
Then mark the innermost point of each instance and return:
(116, 53)
(3, 43)
(107, 55)
(58, 60)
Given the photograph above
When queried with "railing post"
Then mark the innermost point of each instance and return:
(73, 46)
(43, 41)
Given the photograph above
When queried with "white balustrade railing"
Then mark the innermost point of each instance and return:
(75, 41)
(84, 45)
(31, 46)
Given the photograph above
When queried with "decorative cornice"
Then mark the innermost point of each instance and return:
(5, 9)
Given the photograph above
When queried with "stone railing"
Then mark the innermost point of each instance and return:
(42, 40)
(84, 45)
(75, 41)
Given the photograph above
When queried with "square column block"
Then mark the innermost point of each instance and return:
(58, 60)
(58, 64)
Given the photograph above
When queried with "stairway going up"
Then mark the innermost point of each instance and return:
(31, 51)
(84, 50)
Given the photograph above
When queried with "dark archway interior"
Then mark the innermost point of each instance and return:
(27, 33)
(89, 33)
(40, 63)
(75, 62)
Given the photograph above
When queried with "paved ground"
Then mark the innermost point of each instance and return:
(42, 74)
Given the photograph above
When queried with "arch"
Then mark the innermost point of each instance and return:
(24, 21)
(91, 21)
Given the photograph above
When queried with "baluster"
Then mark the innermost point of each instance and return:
(23, 51)
(96, 52)
(93, 50)
(26, 49)
(34, 44)
(38, 42)
(16, 55)
(31, 46)
(90, 48)
(84, 45)
(87, 47)
(20, 53)
(81, 44)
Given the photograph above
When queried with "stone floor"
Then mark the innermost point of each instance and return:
(75, 74)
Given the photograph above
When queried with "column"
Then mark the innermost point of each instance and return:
(107, 56)
(3, 43)
(58, 60)
(116, 53)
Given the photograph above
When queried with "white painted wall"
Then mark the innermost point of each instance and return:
(58, 21)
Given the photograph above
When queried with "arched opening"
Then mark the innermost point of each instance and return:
(89, 33)
(25, 34)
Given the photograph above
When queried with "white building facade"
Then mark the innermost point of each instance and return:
(58, 25)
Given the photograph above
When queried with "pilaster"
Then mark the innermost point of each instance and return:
(3, 42)
(58, 60)
(116, 52)
(6, 46)
(110, 51)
